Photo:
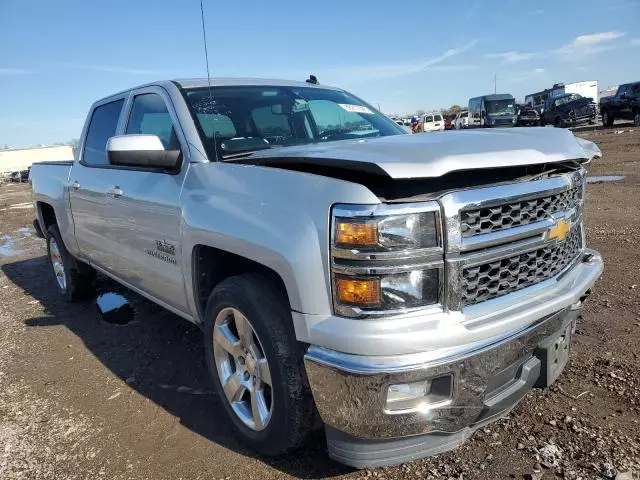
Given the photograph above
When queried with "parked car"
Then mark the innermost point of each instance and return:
(490, 111)
(625, 104)
(24, 175)
(328, 269)
(431, 122)
(527, 116)
(448, 122)
(15, 177)
(568, 110)
(461, 120)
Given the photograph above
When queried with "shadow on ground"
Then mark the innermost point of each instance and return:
(156, 354)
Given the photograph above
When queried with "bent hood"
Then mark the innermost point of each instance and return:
(436, 154)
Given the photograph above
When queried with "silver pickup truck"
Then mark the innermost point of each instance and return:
(405, 289)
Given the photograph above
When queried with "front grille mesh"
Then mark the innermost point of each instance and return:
(500, 217)
(501, 277)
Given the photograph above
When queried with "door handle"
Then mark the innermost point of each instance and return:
(75, 185)
(115, 192)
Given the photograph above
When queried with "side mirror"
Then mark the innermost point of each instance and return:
(141, 151)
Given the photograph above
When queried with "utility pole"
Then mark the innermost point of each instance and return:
(495, 84)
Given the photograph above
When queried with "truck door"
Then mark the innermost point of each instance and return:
(143, 206)
(624, 99)
(89, 180)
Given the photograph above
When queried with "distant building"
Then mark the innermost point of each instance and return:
(16, 159)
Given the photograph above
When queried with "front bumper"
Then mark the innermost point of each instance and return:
(581, 119)
(489, 377)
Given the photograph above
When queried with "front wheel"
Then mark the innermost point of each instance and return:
(256, 364)
(607, 119)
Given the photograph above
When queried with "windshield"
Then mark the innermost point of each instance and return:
(500, 107)
(250, 118)
(567, 98)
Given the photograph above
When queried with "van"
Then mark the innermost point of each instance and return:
(432, 122)
(498, 110)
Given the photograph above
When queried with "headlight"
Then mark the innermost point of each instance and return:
(396, 232)
(386, 258)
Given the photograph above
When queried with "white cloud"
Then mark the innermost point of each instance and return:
(512, 57)
(635, 42)
(589, 44)
(380, 71)
(14, 71)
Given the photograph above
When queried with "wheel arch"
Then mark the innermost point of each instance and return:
(46, 215)
(211, 265)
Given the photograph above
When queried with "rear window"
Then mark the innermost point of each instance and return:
(102, 126)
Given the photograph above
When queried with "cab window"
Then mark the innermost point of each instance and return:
(102, 126)
(150, 116)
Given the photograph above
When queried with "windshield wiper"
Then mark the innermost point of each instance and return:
(246, 153)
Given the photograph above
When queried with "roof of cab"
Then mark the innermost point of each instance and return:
(220, 82)
(227, 82)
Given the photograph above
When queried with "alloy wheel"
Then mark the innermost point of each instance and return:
(243, 369)
(57, 263)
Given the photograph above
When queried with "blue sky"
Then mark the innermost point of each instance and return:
(57, 57)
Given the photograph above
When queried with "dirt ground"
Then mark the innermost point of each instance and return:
(84, 399)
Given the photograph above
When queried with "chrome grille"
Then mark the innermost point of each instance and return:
(506, 275)
(491, 219)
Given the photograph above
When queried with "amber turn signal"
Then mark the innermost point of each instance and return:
(356, 233)
(358, 292)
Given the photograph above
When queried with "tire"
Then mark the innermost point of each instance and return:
(636, 119)
(607, 119)
(75, 281)
(289, 398)
(558, 123)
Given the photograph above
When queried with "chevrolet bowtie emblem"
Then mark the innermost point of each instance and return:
(560, 230)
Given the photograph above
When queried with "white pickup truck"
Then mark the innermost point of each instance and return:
(407, 289)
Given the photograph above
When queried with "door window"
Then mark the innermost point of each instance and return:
(150, 116)
(428, 119)
(102, 126)
(437, 118)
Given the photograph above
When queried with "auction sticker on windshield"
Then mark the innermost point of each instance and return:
(355, 108)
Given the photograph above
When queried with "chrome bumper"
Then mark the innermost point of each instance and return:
(489, 376)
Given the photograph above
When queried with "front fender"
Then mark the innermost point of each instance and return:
(275, 217)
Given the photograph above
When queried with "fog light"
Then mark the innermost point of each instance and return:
(404, 396)
(420, 396)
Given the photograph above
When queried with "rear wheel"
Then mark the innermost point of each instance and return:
(607, 118)
(257, 364)
(558, 122)
(636, 119)
(74, 280)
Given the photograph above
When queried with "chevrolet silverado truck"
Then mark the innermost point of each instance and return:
(403, 289)
(624, 105)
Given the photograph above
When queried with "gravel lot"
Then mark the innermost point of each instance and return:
(84, 399)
